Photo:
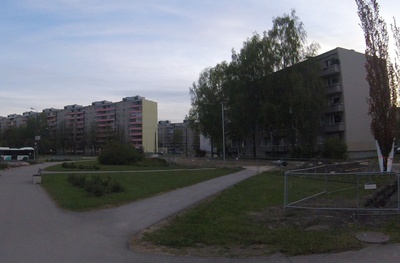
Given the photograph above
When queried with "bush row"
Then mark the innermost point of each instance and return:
(79, 166)
(95, 184)
(153, 162)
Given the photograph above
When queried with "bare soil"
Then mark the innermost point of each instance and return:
(274, 217)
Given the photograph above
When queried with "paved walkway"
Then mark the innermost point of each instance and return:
(33, 229)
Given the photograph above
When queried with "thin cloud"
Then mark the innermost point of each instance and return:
(61, 52)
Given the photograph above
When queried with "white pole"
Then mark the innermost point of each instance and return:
(223, 132)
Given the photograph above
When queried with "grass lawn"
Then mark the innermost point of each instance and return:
(88, 165)
(249, 216)
(137, 185)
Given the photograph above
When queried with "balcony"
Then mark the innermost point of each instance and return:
(105, 114)
(105, 109)
(335, 127)
(136, 109)
(105, 120)
(331, 70)
(335, 108)
(135, 121)
(337, 88)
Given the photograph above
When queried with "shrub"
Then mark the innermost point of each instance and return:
(3, 166)
(95, 185)
(77, 180)
(201, 153)
(157, 162)
(116, 153)
(334, 148)
(114, 187)
(68, 165)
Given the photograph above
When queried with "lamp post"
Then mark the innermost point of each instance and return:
(37, 137)
(223, 131)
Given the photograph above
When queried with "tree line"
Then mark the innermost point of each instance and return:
(64, 138)
(270, 85)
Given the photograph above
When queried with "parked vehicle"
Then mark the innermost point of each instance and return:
(280, 163)
(17, 154)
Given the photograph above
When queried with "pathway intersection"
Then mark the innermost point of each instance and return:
(33, 229)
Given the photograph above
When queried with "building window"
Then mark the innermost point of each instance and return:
(333, 80)
(335, 100)
(331, 62)
(335, 119)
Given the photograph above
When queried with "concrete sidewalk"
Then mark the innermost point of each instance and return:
(33, 229)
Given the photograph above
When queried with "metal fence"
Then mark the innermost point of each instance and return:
(324, 188)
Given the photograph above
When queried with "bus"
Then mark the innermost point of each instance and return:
(17, 154)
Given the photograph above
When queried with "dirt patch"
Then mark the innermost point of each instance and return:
(137, 244)
(275, 218)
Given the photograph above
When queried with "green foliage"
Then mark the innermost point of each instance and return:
(96, 184)
(334, 148)
(3, 166)
(382, 75)
(116, 153)
(236, 218)
(137, 185)
(72, 165)
(263, 87)
(153, 162)
(76, 180)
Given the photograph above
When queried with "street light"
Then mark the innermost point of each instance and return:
(37, 137)
(223, 131)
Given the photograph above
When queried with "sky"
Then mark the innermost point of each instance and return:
(55, 53)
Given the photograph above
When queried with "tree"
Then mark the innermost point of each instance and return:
(63, 137)
(289, 40)
(251, 66)
(296, 96)
(252, 96)
(207, 95)
(178, 140)
(381, 77)
(116, 153)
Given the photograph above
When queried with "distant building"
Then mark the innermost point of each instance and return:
(178, 138)
(81, 129)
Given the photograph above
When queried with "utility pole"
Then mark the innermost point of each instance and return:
(223, 132)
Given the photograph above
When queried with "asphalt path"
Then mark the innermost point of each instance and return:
(33, 229)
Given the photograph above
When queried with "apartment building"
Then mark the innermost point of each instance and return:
(178, 138)
(83, 129)
(347, 90)
(346, 116)
(138, 121)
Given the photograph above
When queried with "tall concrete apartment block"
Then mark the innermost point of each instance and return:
(138, 120)
(86, 129)
(345, 116)
(177, 138)
(347, 90)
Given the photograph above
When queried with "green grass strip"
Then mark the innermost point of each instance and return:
(232, 219)
(137, 185)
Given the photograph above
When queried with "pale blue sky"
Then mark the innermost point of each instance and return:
(60, 52)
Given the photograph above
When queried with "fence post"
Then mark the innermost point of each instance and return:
(398, 194)
(285, 201)
(358, 196)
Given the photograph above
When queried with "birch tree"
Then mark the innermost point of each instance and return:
(381, 77)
